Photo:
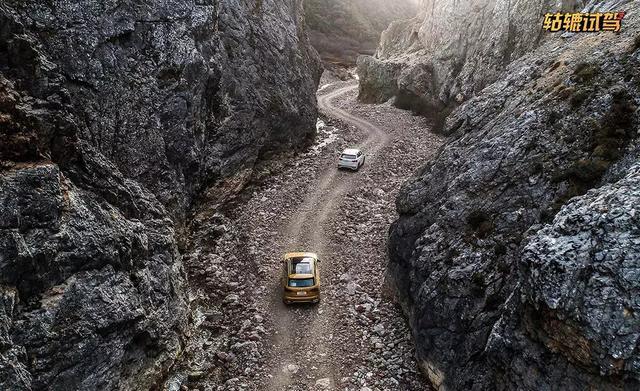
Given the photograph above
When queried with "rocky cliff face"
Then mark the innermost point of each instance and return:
(516, 248)
(114, 117)
(450, 52)
(179, 94)
(343, 29)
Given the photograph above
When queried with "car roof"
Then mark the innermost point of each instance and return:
(351, 151)
(300, 255)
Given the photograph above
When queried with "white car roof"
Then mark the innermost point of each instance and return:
(350, 151)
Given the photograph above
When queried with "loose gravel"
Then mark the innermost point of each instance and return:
(243, 337)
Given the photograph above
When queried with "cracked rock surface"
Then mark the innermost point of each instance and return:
(178, 94)
(513, 272)
(452, 50)
(115, 118)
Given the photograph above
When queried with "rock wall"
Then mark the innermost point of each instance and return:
(343, 29)
(179, 94)
(115, 117)
(579, 295)
(450, 52)
(515, 252)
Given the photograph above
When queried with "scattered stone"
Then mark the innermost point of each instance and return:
(231, 299)
(291, 369)
(324, 383)
(351, 288)
(379, 329)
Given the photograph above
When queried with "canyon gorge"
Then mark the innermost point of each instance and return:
(157, 159)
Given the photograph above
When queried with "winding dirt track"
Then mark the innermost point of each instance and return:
(310, 329)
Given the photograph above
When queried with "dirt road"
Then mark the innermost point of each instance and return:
(309, 230)
(356, 337)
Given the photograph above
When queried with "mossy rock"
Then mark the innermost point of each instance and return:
(621, 116)
(586, 72)
(579, 97)
(582, 173)
(565, 92)
(588, 170)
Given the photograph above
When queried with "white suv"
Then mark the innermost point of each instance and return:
(351, 158)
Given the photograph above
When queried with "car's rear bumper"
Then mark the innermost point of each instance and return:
(351, 166)
(301, 299)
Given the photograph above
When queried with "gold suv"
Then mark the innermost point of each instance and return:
(301, 278)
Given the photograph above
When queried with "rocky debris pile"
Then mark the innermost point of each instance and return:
(366, 307)
(225, 346)
(372, 336)
(113, 118)
(508, 279)
(230, 343)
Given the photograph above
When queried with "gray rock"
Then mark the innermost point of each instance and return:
(178, 94)
(450, 52)
(379, 329)
(351, 288)
(291, 369)
(324, 383)
(500, 295)
(231, 299)
(113, 118)
(98, 287)
(580, 286)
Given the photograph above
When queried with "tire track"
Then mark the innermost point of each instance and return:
(307, 328)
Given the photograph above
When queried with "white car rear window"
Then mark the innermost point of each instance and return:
(349, 157)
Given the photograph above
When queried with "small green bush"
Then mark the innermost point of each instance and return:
(579, 97)
(588, 171)
(585, 72)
